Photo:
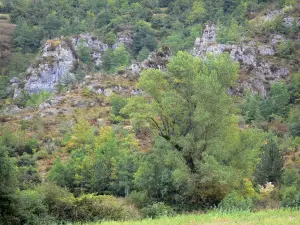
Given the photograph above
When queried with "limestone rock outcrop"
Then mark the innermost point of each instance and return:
(59, 57)
(258, 72)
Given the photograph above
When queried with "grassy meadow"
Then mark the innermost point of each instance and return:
(270, 217)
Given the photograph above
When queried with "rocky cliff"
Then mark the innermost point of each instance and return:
(59, 57)
(257, 73)
(260, 66)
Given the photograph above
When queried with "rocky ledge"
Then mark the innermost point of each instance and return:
(260, 73)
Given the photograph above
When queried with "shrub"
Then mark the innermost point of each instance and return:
(230, 34)
(290, 197)
(116, 60)
(36, 99)
(63, 206)
(268, 197)
(157, 210)
(143, 54)
(290, 191)
(32, 208)
(42, 154)
(235, 202)
(140, 199)
(66, 81)
(285, 49)
(143, 36)
(3, 85)
(84, 54)
(294, 88)
(117, 103)
(294, 122)
(91, 208)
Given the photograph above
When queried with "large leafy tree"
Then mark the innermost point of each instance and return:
(179, 103)
(189, 107)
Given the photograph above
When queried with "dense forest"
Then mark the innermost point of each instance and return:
(186, 143)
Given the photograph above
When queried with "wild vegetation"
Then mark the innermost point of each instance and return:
(186, 144)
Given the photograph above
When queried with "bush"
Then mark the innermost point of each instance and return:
(143, 36)
(140, 199)
(117, 103)
(235, 202)
(3, 84)
(157, 210)
(42, 154)
(290, 191)
(84, 54)
(290, 197)
(116, 60)
(294, 122)
(36, 99)
(33, 209)
(91, 208)
(285, 49)
(268, 197)
(230, 34)
(65, 207)
(143, 54)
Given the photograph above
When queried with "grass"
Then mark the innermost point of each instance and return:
(270, 217)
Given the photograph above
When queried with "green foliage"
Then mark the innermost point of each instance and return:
(161, 173)
(275, 25)
(180, 111)
(8, 184)
(157, 210)
(84, 54)
(294, 122)
(116, 60)
(27, 38)
(143, 36)
(49, 203)
(235, 202)
(277, 101)
(270, 167)
(19, 63)
(143, 54)
(32, 207)
(117, 103)
(3, 85)
(17, 142)
(101, 164)
(36, 99)
(285, 49)
(58, 173)
(294, 88)
(291, 187)
(252, 108)
(230, 34)
(194, 155)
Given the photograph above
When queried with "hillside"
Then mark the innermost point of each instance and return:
(6, 30)
(126, 109)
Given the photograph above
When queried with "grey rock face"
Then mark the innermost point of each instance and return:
(11, 110)
(156, 60)
(261, 72)
(124, 38)
(58, 58)
(290, 21)
(271, 15)
(95, 87)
